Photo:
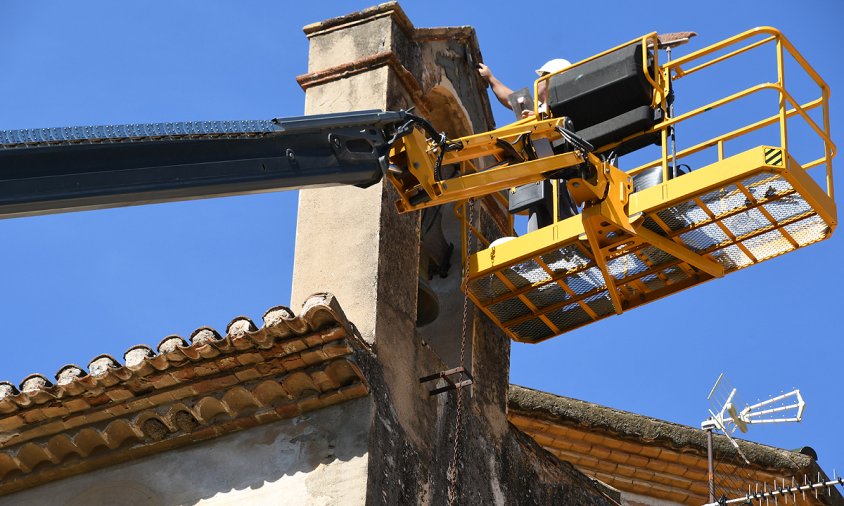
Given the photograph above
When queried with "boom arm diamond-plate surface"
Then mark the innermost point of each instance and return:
(136, 132)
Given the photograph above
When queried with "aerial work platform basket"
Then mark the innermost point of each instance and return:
(732, 214)
(633, 242)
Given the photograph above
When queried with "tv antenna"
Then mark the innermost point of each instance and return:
(783, 489)
(728, 414)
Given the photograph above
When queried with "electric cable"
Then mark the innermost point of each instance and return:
(575, 140)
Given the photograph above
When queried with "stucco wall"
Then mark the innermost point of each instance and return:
(631, 499)
(317, 459)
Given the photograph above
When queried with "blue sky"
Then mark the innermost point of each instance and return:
(81, 284)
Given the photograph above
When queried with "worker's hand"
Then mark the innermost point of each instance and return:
(484, 71)
(527, 113)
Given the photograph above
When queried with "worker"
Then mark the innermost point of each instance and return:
(541, 213)
(502, 92)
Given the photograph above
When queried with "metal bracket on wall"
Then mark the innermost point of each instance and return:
(462, 375)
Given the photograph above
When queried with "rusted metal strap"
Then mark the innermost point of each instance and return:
(464, 379)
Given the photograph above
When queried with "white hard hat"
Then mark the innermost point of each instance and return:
(500, 240)
(552, 66)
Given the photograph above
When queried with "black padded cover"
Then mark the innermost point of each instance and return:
(607, 99)
(600, 89)
(614, 129)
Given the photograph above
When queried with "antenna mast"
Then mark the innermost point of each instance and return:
(726, 417)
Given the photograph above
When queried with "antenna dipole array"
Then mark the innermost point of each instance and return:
(753, 413)
(726, 417)
(786, 407)
(782, 490)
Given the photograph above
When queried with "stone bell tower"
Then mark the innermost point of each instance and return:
(353, 243)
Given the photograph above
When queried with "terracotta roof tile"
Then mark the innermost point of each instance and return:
(181, 394)
(631, 426)
(639, 454)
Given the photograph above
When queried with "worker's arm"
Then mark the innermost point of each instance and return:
(502, 92)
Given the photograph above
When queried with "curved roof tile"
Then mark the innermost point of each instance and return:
(216, 384)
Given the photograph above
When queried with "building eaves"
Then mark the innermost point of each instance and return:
(651, 457)
(626, 425)
(180, 394)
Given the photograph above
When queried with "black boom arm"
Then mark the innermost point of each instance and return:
(51, 170)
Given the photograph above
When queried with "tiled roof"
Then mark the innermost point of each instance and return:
(647, 456)
(179, 394)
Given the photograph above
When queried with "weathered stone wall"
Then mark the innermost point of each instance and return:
(354, 243)
(316, 459)
(496, 467)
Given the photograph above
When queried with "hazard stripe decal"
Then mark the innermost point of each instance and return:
(773, 156)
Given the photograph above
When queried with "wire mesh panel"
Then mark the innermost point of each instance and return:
(549, 288)
(745, 222)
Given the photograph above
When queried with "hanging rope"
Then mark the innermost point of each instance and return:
(452, 473)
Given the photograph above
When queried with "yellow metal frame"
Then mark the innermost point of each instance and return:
(477, 175)
(593, 232)
(740, 44)
(728, 215)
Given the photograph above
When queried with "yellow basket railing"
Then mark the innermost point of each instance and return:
(679, 68)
